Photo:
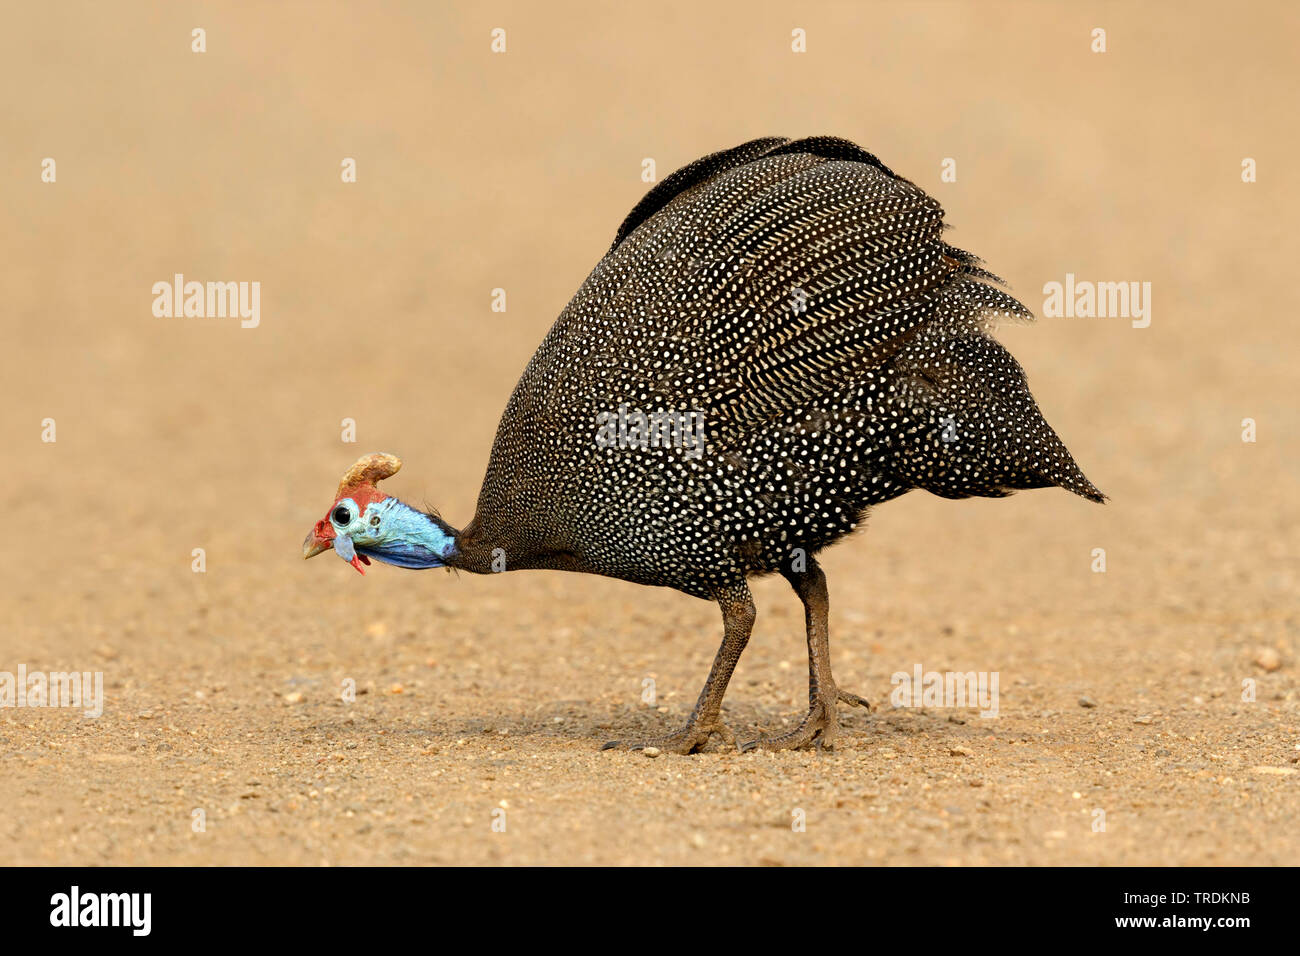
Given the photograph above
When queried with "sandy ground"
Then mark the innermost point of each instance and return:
(479, 171)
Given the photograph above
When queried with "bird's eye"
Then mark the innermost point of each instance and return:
(342, 516)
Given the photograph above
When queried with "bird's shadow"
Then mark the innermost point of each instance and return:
(577, 721)
(746, 721)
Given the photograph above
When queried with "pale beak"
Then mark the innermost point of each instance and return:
(315, 543)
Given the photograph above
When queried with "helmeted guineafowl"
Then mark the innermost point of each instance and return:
(778, 339)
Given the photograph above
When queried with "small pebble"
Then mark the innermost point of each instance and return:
(1268, 659)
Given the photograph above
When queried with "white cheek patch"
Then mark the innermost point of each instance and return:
(343, 545)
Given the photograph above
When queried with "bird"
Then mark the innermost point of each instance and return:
(778, 340)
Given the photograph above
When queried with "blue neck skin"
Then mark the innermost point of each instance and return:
(403, 537)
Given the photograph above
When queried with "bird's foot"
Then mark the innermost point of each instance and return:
(819, 727)
(688, 740)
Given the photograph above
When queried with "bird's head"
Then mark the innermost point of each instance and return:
(365, 523)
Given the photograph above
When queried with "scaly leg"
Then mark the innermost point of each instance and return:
(706, 719)
(822, 722)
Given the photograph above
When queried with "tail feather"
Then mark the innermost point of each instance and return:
(972, 427)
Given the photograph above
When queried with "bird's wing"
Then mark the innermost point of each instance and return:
(748, 283)
(694, 174)
(760, 278)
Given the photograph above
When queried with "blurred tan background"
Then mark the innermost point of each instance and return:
(477, 171)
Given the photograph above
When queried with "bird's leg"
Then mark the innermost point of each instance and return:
(706, 719)
(822, 722)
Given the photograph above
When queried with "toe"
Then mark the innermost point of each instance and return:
(685, 741)
(853, 700)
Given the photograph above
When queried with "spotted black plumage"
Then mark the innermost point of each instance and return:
(797, 302)
(798, 296)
